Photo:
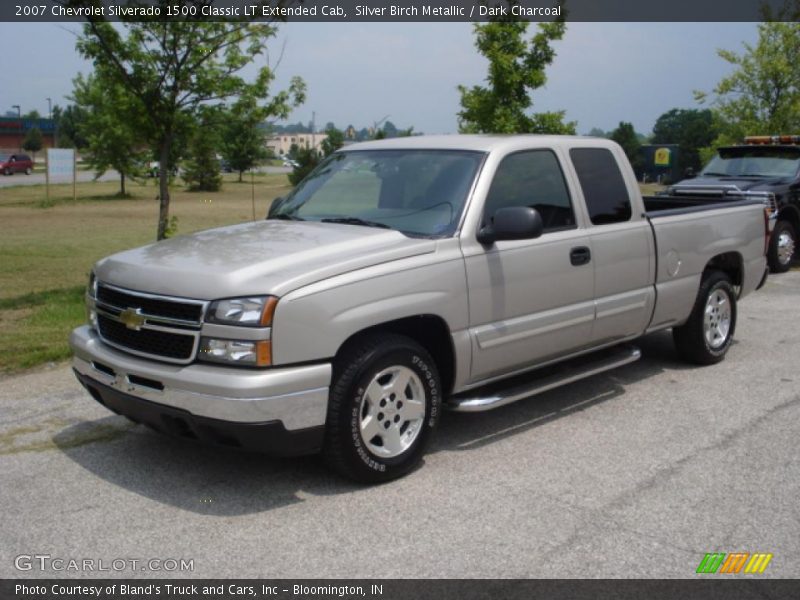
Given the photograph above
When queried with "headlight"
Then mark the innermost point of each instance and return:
(251, 312)
(238, 352)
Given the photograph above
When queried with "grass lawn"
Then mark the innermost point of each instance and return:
(48, 247)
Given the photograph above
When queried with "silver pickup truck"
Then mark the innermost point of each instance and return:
(404, 276)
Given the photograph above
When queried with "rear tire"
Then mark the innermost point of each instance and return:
(706, 337)
(384, 404)
(782, 247)
(28, 171)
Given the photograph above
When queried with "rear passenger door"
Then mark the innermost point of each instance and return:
(622, 246)
(529, 300)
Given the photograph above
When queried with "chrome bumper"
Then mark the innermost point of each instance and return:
(295, 396)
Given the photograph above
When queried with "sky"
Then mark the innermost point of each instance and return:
(358, 73)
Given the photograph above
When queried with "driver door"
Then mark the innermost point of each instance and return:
(529, 300)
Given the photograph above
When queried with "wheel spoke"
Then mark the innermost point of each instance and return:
(370, 427)
(392, 441)
(400, 383)
(413, 410)
(374, 393)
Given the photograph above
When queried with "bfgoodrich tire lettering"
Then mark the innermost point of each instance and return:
(705, 338)
(384, 405)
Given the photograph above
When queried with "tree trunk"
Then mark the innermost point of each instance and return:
(121, 183)
(240, 176)
(163, 187)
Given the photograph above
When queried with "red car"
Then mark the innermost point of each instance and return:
(15, 163)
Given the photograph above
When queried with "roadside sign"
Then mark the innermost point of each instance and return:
(61, 168)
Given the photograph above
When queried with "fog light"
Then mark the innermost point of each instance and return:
(239, 352)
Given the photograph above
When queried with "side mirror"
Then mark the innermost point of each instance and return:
(512, 223)
(275, 206)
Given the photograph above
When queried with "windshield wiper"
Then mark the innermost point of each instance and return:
(753, 175)
(285, 217)
(355, 221)
(714, 175)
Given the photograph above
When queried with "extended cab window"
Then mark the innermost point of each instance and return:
(602, 184)
(532, 178)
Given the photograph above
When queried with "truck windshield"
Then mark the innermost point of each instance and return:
(754, 161)
(417, 192)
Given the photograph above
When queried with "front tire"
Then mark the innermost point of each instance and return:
(782, 246)
(384, 405)
(705, 338)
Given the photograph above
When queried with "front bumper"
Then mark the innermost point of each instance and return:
(279, 410)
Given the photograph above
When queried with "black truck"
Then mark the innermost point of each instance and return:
(764, 167)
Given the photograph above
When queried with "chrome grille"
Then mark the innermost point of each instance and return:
(150, 304)
(159, 327)
(147, 341)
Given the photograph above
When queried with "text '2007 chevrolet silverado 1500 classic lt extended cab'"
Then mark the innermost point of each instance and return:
(406, 275)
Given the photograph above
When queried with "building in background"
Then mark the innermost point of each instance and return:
(13, 131)
(281, 144)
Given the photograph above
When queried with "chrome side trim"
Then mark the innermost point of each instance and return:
(478, 402)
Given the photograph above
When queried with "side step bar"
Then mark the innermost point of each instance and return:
(545, 379)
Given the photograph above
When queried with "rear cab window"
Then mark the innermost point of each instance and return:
(604, 189)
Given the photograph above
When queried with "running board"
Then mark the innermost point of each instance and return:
(493, 396)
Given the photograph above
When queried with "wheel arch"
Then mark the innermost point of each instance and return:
(730, 263)
(429, 330)
(791, 214)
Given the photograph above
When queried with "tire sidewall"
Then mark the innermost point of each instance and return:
(718, 283)
(358, 453)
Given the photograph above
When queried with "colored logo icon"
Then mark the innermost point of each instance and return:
(736, 562)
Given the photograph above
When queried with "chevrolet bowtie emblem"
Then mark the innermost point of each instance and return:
(132, 318)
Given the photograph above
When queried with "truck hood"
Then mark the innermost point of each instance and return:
(746, 184)
(267, 257)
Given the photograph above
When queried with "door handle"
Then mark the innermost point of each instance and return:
(580, 255)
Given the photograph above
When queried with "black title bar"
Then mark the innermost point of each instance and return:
(339, 11)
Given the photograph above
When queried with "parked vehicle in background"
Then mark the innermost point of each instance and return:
(154, 169)
(15, 163)
(405, 275)
(766, 167)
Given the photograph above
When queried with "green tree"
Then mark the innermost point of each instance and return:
(625, 135)
(333, 142)
(111, 128)
(202, 171)
(243, 140)
(33, 115)
(691, 129)
(69, 125)
(171, 69)
(308, 158)
(762, 94)
(597, 132)
(33, 141)
(516, 68)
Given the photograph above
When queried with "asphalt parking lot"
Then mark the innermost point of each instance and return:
(634, 473)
